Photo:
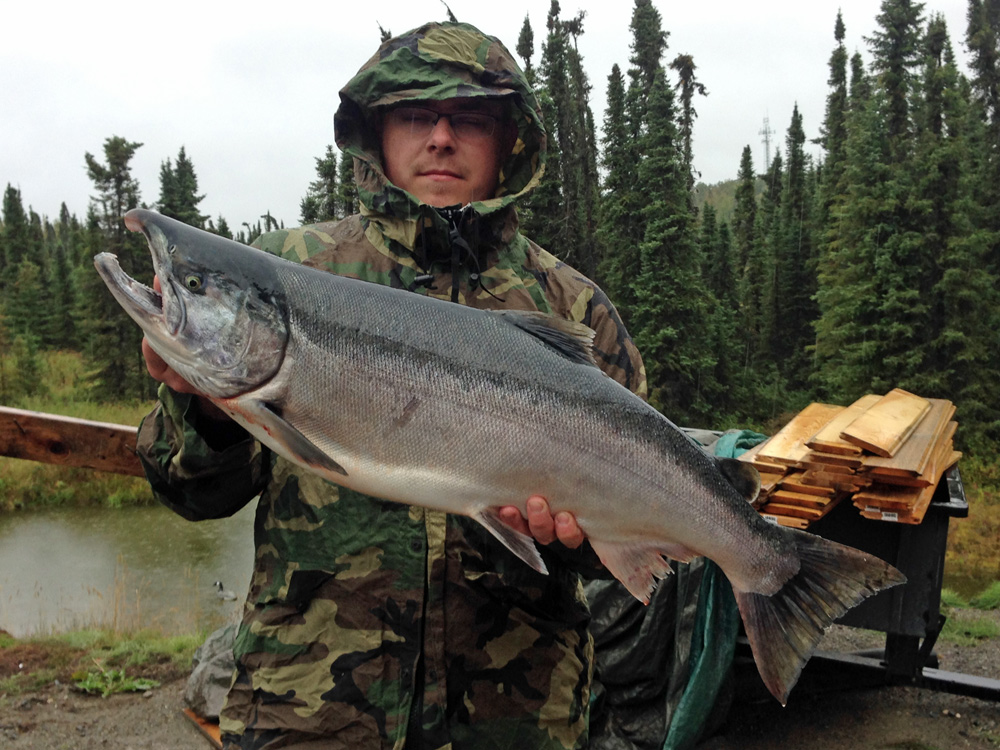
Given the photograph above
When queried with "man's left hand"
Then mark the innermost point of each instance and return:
(542, 525)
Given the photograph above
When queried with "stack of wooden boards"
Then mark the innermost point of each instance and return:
(887, 453)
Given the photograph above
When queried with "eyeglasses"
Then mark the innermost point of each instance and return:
(421, 122)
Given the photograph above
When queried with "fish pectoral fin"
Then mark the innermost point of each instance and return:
(520, 544)
(298, 447)
(572, 340)
(638, 568)
(741, 475)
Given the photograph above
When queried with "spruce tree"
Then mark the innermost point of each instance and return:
(833, 134)
(762, 281)
(745, 249)
(688, 85)
(959, 355)
(983, 42)
(672, 310)
(526, 49)
(112, 339)
(15, 237)
(895, 47)
(347, 197)
(649, 44)
(794, 269)
(622, 224)
(848, 296)
(560, 215)
(179, 197)
(321, 202)
(620, 257)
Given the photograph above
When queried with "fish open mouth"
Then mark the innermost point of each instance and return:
(144, 304)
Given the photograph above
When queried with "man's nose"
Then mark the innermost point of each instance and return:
(442, 136)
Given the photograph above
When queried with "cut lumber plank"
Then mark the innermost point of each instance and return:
(886, 425)
(835, 480)
(882, 497)
(792, 511)
(913, 513)
(789, 521)
(814, 459)
(912, 458)
(753, 458)
(788, 445)
(786, 497)
(828, 439)
(67, 441)
(794, 483)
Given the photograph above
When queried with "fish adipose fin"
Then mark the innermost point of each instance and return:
(785, 628)
(572, 340)
(520, 544)
(638, 568)
(298, 446)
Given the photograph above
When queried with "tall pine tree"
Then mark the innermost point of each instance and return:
(179, 197)
(112, 340)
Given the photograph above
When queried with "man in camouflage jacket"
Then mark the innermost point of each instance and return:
(370, 624)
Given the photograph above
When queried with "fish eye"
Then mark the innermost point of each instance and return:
(172, 249)
(192, 282)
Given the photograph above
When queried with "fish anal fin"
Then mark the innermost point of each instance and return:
(259, 416)
(637, 568)
(784, 629)
(520, 544)
(741, 475)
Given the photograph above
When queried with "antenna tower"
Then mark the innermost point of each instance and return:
(766, 132)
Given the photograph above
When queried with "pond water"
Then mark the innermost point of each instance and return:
(127, 568)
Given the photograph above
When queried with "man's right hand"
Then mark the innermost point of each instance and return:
(161, 371)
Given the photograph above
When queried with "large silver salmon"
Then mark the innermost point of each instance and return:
(425, 402)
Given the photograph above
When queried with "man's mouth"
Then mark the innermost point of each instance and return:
(440, 174)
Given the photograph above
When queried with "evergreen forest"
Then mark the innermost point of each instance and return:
(871, 266)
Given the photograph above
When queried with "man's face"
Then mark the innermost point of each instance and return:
(450, 161)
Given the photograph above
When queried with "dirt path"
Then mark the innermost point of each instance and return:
(887, 718)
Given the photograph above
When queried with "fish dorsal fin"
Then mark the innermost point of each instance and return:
(741, 475)
(573, 340)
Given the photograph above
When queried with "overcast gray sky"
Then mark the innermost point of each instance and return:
(250, 88)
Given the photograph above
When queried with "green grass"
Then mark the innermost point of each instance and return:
(988, 599)
(105, 682)
(97, 660)
(29, 484)
(950, 598)
(969, 630)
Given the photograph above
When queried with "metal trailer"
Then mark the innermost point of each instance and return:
(909, 615)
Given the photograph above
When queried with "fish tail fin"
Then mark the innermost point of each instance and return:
(784, 629)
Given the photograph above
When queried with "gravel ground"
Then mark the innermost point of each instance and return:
(818, 717)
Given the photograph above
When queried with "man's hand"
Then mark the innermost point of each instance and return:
(542, 525)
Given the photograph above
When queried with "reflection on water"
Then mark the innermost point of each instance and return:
(127, 568)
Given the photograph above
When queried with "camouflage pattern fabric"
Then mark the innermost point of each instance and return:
(370, 624)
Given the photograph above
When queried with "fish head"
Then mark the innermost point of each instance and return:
(214, 318)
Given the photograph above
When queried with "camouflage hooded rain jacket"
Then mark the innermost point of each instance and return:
(370, 624)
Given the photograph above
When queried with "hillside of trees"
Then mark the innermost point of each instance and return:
(872, 266)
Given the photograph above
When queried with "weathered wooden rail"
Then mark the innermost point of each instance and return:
(66, 441)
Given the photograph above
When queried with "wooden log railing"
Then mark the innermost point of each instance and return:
(55, 439)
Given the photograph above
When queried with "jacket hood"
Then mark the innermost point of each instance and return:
(434, 62)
